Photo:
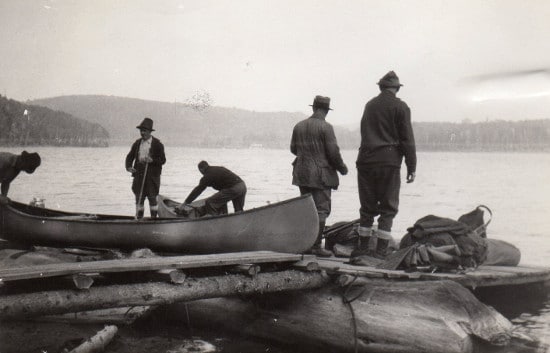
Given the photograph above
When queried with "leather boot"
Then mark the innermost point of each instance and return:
(384, 238)
(363, 241)
(154, 211)
(139, 211)
(317, 250)
(382, 247)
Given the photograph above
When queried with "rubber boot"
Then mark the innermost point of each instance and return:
(317, 250)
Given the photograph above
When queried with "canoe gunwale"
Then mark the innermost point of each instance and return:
(63, 216)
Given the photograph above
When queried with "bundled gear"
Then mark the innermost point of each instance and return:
(438, 243)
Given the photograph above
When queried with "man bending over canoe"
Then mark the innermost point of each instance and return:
(229, 185)
(12, 164)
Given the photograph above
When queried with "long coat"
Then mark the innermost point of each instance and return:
(317, 154)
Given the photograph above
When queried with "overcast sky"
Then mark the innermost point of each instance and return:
(474, 59)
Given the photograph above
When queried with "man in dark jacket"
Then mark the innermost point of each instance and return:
(229, 185)
(147, 156)
(12, 164)
(386, 137)
(317, 160)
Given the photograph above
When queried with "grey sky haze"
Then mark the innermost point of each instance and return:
(468, 59)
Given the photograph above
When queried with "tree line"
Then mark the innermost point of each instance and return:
(499, 135)
(24, 124)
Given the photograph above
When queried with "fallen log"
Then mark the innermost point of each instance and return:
(429, 317)
(154, 293)
(97, 342)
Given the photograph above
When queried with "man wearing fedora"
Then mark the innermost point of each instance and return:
(147, 156)
(317, 160)
(386, 137)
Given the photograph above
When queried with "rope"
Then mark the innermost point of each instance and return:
(348, 302)
(483, 227)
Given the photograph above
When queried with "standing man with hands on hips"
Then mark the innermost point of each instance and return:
(147, 156)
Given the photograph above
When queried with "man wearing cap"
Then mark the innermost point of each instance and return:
(317, 161)
(386, 137)
(147, 156)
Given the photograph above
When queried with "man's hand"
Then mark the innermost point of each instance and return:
(148, 160)
(344, 170)
(410, 177)
(131, 170)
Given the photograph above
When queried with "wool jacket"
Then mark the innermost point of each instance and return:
(387, 134)
(216, 177)
(8, 170)
(156, 153)
(317, 154)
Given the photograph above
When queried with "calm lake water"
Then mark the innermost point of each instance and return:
(513, 185)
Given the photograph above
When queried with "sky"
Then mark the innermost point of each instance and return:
(465, 59)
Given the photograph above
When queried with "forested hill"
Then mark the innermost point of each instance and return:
(183, 124)
(24, 124)
(179, 123)
(499, 135)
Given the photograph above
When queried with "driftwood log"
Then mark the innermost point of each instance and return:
(97, 342)
(383, 316)
(154, 293)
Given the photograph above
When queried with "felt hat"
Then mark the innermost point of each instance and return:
(147, 124)
(321, 102)
(389, 80)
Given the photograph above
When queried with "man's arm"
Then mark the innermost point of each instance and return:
(158, 158)
(407, 143)
(333, 151)
(293, 149)
(130, 158)
(195, 193)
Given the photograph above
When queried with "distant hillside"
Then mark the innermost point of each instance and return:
(180, 124)
(25, 124)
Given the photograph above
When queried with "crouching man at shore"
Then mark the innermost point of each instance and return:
(12, 164)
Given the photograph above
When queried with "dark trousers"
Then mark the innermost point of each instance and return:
(379, 195)
(322, 199)
(217, 203)
(151, 188)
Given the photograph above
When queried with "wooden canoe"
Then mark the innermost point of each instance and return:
(288, 226)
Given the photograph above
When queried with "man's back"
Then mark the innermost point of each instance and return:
(386, 132)
(317, 154)
(219, 178)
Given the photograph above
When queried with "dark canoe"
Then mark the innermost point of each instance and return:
(289, 226)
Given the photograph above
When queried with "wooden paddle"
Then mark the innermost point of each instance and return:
(142, 186)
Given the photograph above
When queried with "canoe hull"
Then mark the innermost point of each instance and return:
(288, 226)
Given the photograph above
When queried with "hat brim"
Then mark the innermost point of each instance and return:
(144, 128)
(312, 105)
(385, 85)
